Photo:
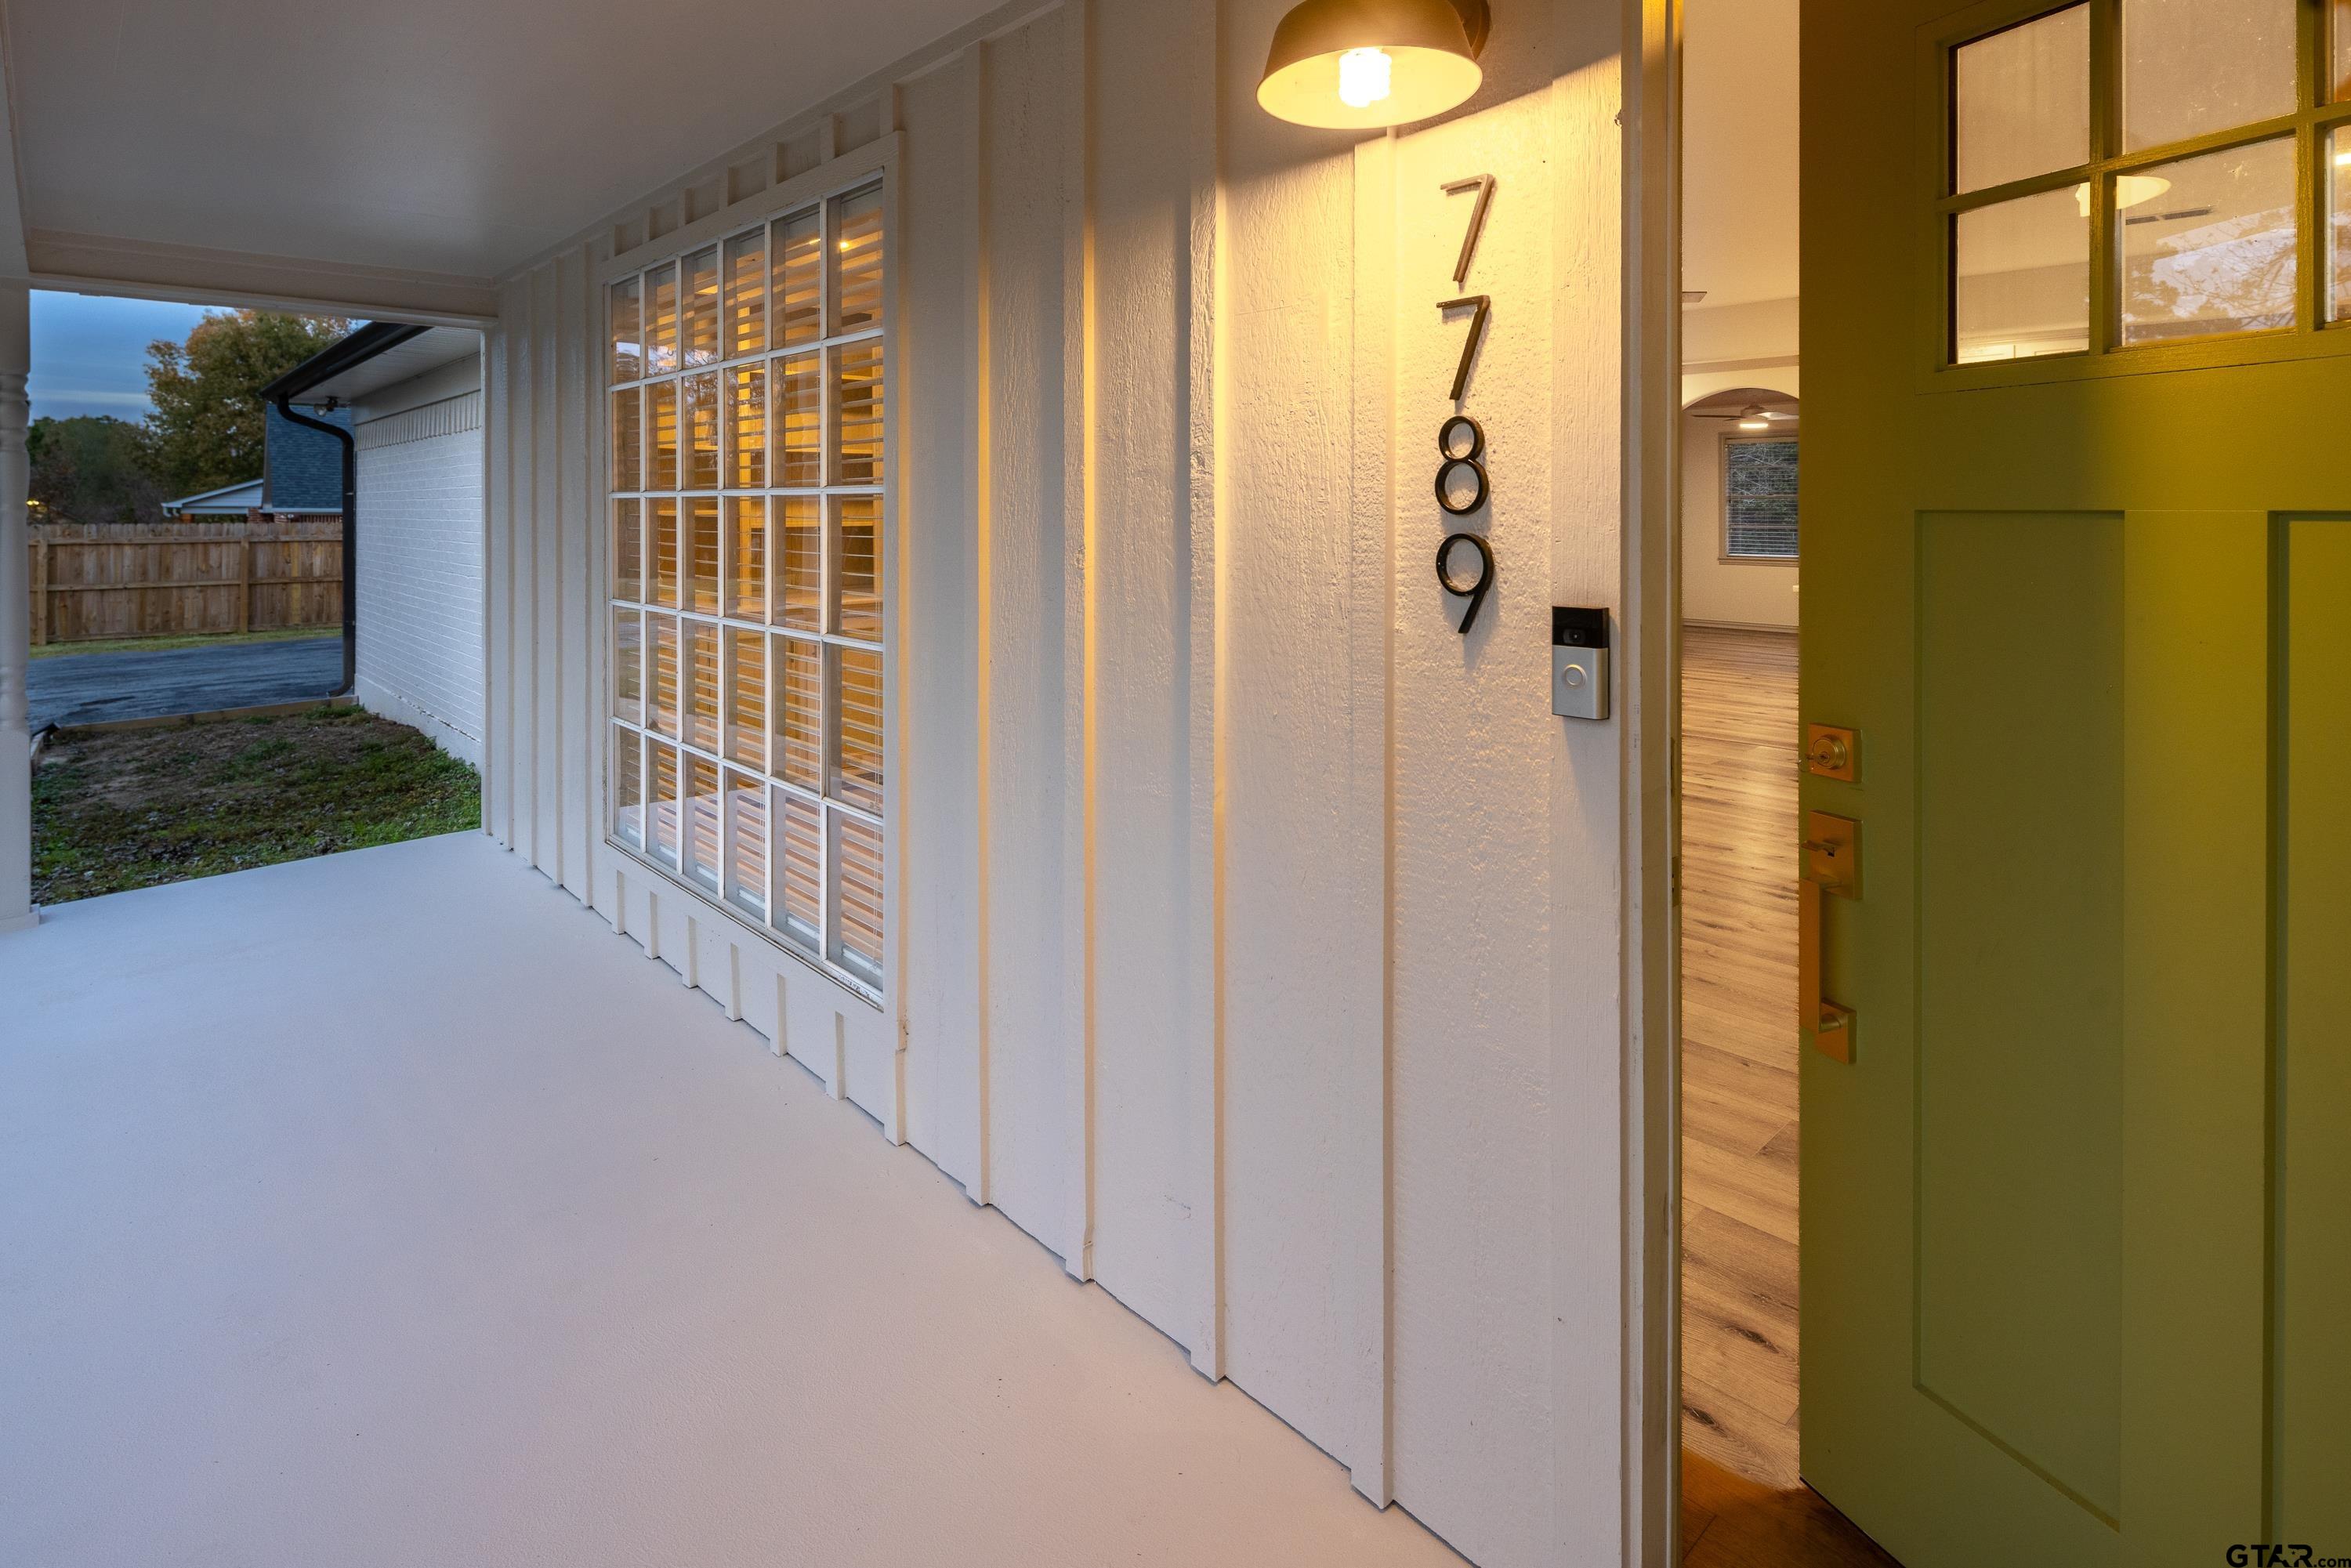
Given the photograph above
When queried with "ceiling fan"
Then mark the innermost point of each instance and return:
(1754, 416)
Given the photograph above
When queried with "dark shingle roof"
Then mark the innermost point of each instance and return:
(305, 470)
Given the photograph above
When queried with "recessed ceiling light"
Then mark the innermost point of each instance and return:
(2130, 190)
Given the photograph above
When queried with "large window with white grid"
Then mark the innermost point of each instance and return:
(749, 754)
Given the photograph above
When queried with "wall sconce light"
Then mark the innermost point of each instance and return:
(1364, 65)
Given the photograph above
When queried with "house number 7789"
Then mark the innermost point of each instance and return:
(1461, 482)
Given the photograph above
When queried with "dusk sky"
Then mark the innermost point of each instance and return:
(89, 354)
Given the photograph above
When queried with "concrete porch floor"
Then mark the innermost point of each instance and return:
(389, 1209)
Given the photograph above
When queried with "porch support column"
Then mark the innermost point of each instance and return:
(16, 615)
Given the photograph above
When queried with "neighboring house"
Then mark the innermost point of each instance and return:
(228, 501)
(301, 476)
(413, 397)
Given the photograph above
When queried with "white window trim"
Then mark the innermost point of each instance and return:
(843, 175)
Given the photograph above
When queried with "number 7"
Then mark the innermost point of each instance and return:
(1484, 186)
(1477, 336)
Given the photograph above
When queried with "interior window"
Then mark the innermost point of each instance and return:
(1758, 498)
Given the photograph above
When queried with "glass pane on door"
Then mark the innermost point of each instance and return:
(2213, 251)
(2338, 222)
(2024, 101)
(2191, 67)
(2342, 71)
(2022, 273)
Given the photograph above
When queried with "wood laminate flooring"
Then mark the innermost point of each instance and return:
(1742, 1503)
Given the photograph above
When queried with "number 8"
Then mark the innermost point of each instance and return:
(1469, 459)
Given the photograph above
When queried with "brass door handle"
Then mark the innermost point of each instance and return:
(1831, 865)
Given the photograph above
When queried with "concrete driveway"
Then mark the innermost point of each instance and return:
(91, 688)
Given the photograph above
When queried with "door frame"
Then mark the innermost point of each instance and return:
(1651, 614)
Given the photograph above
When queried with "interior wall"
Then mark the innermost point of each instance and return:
(1256, 934)
(1715, 590)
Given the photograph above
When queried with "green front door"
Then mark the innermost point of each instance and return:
(2077, 550)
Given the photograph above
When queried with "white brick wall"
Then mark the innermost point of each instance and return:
(420, 574)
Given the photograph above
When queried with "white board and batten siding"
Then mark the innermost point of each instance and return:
(1254, 940)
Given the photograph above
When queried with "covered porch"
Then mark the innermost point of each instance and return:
(366, 1211)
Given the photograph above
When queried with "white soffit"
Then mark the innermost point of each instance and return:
(447, 139)
(428, 351)
(1739, 75)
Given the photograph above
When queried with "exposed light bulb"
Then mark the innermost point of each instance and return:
(1364, 77)
(1754, 425)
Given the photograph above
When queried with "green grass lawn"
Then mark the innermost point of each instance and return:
(124, 809)
(204, 640)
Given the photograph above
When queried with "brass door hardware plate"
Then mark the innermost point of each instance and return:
(1832, 752)
(1831, 866)
(1832, 853)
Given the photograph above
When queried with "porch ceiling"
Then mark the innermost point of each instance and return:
(388, 1209)
(426, 146)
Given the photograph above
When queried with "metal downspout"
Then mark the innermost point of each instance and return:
(351, 536)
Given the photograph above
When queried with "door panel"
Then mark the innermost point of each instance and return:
(2196, 898)
(2074, 1256)
(2021, 947)
(2315, 1088)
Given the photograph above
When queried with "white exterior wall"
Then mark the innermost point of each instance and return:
(1256, 938)
(420, 556)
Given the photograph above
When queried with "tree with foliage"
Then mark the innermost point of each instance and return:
(208, 424)
(92, 469)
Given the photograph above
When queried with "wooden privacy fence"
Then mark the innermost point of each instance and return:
(256, 573)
